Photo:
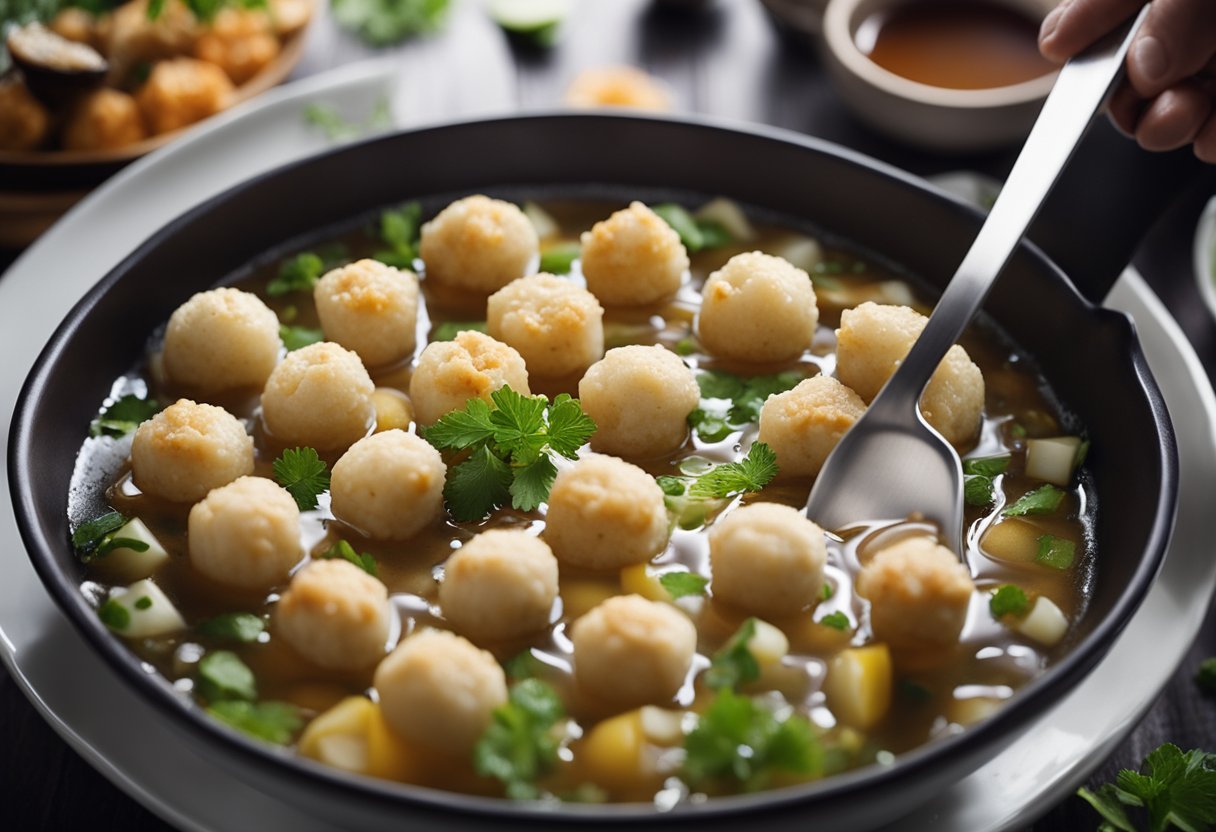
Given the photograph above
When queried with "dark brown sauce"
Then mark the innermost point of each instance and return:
(956, 44)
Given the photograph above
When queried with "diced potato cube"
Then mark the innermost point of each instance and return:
(768, 644)
(610, 755)
(640, 580)
(858, 685)
(1045, 623)
(727, 213)
(141, 610)
(972, 710)
(393, 409)
(1052, 460)
(581, 596)
(803, 252)
(338, 737)
(129, 564)
(661, 726)
(1012, 539)
(388, 755)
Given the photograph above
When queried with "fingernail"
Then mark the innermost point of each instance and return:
(1149, 57)
(1050, 23)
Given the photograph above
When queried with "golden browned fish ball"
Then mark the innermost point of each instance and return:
(803, 425)
(632, 652)
(239, 41)
(319, 395)
(290, 16)
(246, 534)
(768, 558)
(24, 122)
(388, 485)
(103, 119)
(639, 398)
(129, 38)
(918, 592)
(757, 308)
(499, 585)
(617, 86)
(633, 258)
(370, 308)
(471, 366)
(478, 244)
(871, 342)
(75, 25)
(182, 91)
(221, 339)
(438, 690)
(335, 615)
(605, 514)
(556, 326)
(188, 449)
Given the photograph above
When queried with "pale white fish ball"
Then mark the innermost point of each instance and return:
(803, 425)
(605, 513)
(335, 615)
(499, 585)
(188, 449)
(479, 244)
(639, 398)
(245, 534)
(556, 326)
(388, 485)
(631, 652)
(439, 690)
(369, 308)
(221, 339)
(918, 593)
(633, 258)
(320, 396)
(471, 366)
(757, 308)
(872, 341)
(767, 558)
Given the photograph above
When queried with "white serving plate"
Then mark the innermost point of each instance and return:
(52, 664)
(1205, 255)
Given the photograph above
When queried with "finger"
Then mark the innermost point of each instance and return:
(1178, 40)
(1075, 24)
(1205, 142)
(1125, 109)
(1174, 118)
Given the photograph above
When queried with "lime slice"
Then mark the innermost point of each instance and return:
(528, 17)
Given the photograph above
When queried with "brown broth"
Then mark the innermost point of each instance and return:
(989, 663)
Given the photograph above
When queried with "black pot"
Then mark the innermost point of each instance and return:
(1089, 355)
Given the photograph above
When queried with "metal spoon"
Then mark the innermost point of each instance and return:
(892, 464)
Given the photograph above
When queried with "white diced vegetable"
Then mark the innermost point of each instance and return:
(1045, 623)
(803, 252)
(1052, 460)
(768, 645)
(897, 292)
(661, 726)
(730, 216)
(129, 563)
(141, 610)
(542, 221)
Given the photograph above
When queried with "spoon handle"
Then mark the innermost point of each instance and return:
(1082, 88)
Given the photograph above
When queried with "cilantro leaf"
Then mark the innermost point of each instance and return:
(1206, 677)
(1008, 599)
(978, 490)
(519, 746)
(746, 407)
(399, 230)
(522, 666)
(716, 384)
(297, 274)
(988, 466)
(222, 675)
(298, 337)
(1173, 788)
(344, 551)
(710, 427)
(243, 627)
(304, 474)
(734, 664)
(274, 722)
(519, 423)
(339, 129)
(448, 330)
(837, 621)
(560, 258)
(1056, 552)
(462, 429)
(672, 486)
(123, 416)
(683, 584)
(686, 346)
(569, 427)
(385, 22)
(477, 486)
(1043, 500)
(100, 536)
(695, 234)
(751, 473)
(1106, 802)
(532, 482)
(746, 396)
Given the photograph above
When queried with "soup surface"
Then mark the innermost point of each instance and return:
(766, 698)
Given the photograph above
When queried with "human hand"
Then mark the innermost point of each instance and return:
(1169, 99)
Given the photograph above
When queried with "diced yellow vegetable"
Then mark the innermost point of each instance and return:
(580, 596)
(393, 409)
(610, 755)
(640, 580)
(388, 755)
(1045, 623)
(808, 636)
(858, 685)
(730, 216)
(768, 644)
(1012, 539)
(338, 737)
(661, 726)
(1052, 460)
(972, 710)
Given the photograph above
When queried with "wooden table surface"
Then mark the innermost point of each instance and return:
(726, 60)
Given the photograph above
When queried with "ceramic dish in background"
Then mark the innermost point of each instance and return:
(1205, 255)
(937, 118)
(801, 18)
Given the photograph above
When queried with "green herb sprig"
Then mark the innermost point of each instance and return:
(385, 22)
(344, 551)
(240, 627)
(979, 479)
(1043, 500)
(1008, 599)
(400, 228)
(683, 584)
(123, 416)
(1172, 789)
(304, 474)
(743, 399)
(520, 746)
(692, 501)
(734, 665)
(695, 234)
(99, 536)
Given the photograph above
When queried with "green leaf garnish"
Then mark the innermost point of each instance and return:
(399, 230)
(519, 746)
(569, 427)
(385, 22)
(114, 615)
(738, 739)
(988, 466)
(298, 337)
(751, 473)
(448, 330)
(1056, 552)
(339, 129)
(478, 485)
(837, 621)
(559, 259)
(734, 665)
(709, 426)
(123, 416)
(686, 346)
(531, 484)
(523, 665)
(242, 627)
(95, 538)
(143, 603)
(683, 584)
(344, 551)
(275, 722)
(304, 474)
(744, 396)
(979, 488)
(695, 234)
(222, 675)
(1174, 790)
(297, 274)
(828, 591)
(1043, 500)
(1008, 600)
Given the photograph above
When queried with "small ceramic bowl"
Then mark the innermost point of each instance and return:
(937, 118)
(1205, 255)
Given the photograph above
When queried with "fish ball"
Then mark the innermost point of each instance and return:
(104, 119)
(556, 326)
(757, 308)
(633, 258)
(918, 592)
(499, 585)
(388, 485)
(767, 558)
(221, 339)
(472, 366)
(371, 309)
(319, 396)
(639, 398)
(803, 425)
(24, 121)
(182, 91)
(335, 615)
(478, 244)
(188, 449)
(245, 534)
